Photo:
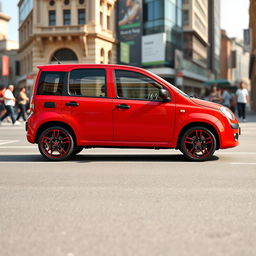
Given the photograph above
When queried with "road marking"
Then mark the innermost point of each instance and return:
(11, 127)
(244, 163)
(19, 153)
(18, 147)
(29, 162)
(236, 153)
(3, 142)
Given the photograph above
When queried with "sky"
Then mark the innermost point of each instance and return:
(234, 17)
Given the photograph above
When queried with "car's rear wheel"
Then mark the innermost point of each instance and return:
(56, 143)
(198, 144)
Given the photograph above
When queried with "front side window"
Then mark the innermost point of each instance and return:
(133, 85)
(87, 83)
(51, 83)
(52, 18)
(66, 17)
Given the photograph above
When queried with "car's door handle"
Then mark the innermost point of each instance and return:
(72, 104)
(123, 106)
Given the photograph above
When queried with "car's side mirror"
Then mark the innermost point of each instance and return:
(164, 95)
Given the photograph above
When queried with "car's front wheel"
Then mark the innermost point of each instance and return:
(198, 144)
(56, 143)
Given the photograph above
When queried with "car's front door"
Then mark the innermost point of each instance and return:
(87, 105)
(139, 113)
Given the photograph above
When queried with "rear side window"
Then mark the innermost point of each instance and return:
(87, 82)
(51, 83)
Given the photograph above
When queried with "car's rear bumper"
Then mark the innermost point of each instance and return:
(30, 130)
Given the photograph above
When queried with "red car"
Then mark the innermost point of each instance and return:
(83, 106)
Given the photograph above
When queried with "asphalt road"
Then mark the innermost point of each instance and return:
(127, 202)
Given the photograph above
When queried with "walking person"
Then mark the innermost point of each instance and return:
(215, 95)
(242, 97)
(22, 102)
(9, 101)
(2, 107)
(225, 97)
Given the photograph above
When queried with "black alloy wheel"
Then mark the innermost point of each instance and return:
(198, 144)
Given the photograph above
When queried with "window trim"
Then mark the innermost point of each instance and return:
(117, 97)
(82, 96)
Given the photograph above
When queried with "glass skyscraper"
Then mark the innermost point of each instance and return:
(164, 16)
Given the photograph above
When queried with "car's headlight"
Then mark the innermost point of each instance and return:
(227, 113)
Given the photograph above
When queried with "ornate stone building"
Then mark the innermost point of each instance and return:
(252, 72)
(72, 31)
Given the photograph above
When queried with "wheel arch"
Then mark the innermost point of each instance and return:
(203, 124)
(55, 123)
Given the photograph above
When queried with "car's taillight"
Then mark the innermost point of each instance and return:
(32, 106)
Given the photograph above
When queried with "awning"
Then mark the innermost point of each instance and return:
(219, 82)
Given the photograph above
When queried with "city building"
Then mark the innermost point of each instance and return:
(196, 41)
(69, 31)
(225, 56)
(252, 70)
(8, 53)
(153, 38)
(240, 62)
(162, 26)
(172, 47)
(234, 60)
(214, 37)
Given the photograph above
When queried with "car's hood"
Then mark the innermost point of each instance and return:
(205, 103)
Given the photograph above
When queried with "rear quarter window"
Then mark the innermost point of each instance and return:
(51, 83)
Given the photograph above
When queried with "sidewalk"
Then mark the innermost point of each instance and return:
(251, 117)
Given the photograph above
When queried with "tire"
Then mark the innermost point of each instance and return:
(56, 143)
(198, 144)
(77, 150)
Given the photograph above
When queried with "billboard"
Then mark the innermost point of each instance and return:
(130, 31)
(153, 49)
(5, 65)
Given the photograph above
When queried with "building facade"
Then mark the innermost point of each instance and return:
(69, 31)
(196, 41)
(214, 37)
(8, 53)
(226, 57)
(234, 60)
(252, 70)
(153, 38)
(240, 61)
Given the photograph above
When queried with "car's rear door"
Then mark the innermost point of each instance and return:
(87, 106)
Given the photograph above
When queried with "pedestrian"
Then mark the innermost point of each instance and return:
(206, 95)
(2, 107)
(22, 101)
(225, 98)
(215, 94)
(233, 102)
(242, 97)
(9, 101)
